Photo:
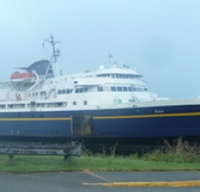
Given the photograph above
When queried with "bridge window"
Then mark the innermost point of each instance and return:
(125, 89)
(135, 88)
(113, 88)
(100, 89)
(119, 88)
(130, 89)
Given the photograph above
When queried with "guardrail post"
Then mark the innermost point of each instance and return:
(11, 157)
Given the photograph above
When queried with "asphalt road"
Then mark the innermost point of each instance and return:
(92, 181)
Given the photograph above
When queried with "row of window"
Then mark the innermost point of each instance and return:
(128, 89)
(65, 91)
(119, 76)
(101, 89)
(32, 105)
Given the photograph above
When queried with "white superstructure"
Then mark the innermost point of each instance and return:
(42, 88)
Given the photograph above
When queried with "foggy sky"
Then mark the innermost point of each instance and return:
(159, 38)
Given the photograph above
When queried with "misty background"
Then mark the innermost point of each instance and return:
(158, 38)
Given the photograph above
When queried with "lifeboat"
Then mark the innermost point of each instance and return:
(22, 76)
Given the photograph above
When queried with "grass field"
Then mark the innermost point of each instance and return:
(31, 164)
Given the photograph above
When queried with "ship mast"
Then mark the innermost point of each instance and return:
(112, 61)
(53, 65)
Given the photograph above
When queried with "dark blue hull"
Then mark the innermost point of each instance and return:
(130, 124)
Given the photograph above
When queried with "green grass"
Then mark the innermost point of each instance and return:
(32, 164)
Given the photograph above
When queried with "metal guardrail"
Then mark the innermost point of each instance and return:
(66, 150)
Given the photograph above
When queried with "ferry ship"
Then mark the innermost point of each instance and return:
(111, 103)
